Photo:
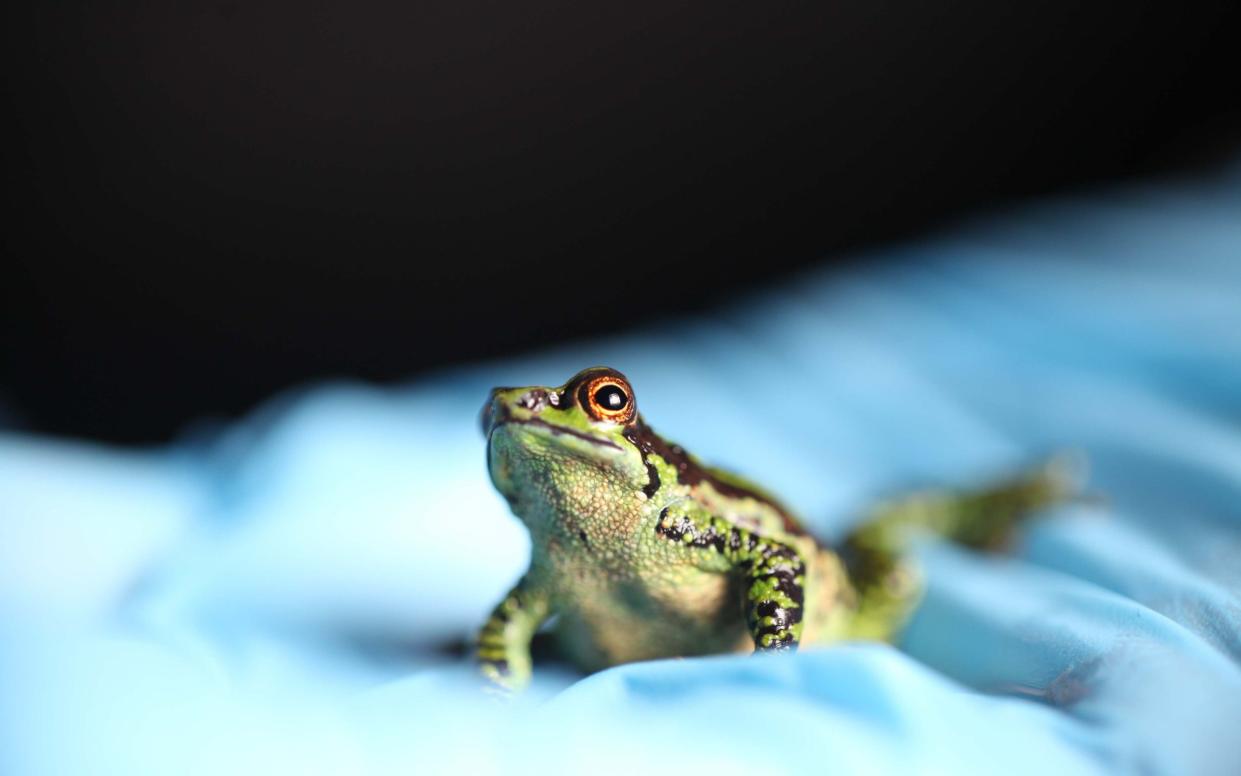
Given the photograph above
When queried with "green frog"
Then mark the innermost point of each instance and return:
(640, 551)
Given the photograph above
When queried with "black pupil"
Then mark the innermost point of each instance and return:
(611, 397)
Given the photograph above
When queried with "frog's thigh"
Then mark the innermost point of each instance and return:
(830, 604)
(884, 605)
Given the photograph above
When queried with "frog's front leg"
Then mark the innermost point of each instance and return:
(775, 572)
(503, 644)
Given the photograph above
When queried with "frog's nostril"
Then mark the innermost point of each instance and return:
(534, 400)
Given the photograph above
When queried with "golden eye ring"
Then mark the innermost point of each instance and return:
(609, 398)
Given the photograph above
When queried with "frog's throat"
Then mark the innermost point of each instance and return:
(557, 430)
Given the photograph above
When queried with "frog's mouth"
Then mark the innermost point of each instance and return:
(537, 423)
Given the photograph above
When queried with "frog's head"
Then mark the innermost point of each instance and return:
(566, 449)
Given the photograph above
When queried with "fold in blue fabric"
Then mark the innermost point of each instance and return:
(282, 594)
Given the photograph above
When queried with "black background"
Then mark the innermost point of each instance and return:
(210, 201)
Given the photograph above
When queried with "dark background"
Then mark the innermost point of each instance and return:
(208, 202)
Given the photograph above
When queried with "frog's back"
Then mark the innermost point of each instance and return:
(748, 505)
(721, 492)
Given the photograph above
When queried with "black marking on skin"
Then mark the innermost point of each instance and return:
(785, 576)
(582, 535)
(782, 643)
(652, 479)
(714, 539)
(690, 472)
(674, 531)
(709, 537)
(785, 566)
(684, 527)
(781, 618)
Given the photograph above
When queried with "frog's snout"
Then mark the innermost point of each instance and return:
(502, 401)
(492, 410)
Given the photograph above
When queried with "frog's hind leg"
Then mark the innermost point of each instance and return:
(886, 580)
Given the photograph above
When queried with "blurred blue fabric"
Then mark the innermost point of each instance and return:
(271, 596)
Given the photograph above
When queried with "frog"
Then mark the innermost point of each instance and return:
(640, 551)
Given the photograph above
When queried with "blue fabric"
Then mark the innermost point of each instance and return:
(270, 596)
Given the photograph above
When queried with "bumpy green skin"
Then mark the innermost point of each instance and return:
(642, 552)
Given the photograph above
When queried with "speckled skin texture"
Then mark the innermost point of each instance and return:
(642, 552)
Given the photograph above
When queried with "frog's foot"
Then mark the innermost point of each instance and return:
(982, 519)
(503, 643)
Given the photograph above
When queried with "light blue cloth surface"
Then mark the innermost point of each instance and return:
(267, 597)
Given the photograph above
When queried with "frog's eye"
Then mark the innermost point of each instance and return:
(609, 398)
